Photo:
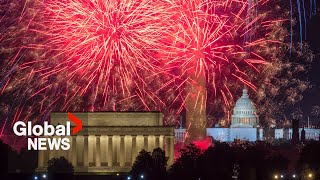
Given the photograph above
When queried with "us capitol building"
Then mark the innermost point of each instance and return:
(244, 123)
(244, 126)
(244, 113)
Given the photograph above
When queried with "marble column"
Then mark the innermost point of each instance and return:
(110, 154)
(64, 153)
(134, 148)
(145, 140)
(104, 150)
(122, 149)
(52, 153)
(69, 152)
(161, 140)
(85, 151)
(74, 151)
(98, 151)
(157, 141)
(115, 150)
(46, 158)
(167, 146)
(170, 149)
(171, 157)
(151, 142)
(41, 158)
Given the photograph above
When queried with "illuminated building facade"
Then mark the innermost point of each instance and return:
(110, 141)
(244, 113)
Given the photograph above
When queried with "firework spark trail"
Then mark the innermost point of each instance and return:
(102, 38)
(95, 44)
(209, 35)
(302, 18)
(96, 37)
(84, 55)
(101, 35)
(217, 42)
(86, 51)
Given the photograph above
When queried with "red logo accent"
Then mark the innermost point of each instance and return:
(77, 121)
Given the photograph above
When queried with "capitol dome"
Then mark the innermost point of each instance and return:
(244, 113)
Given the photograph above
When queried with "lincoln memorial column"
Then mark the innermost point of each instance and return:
(46, 158)
(122, 154)
(161, 142)
(74, 151)
(115, 150)
(145, 137)
(103, 146)
(171, 148)
(98, 150)
(41, 158)
(69, 152)
(85, 151)
(52, 153)
(110, 154)
(167, 144)
(157, 141)
(134, 148)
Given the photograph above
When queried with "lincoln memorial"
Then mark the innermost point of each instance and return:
(110, 141)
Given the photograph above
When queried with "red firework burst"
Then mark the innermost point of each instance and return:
(103, 43)
(219, 46)
(222, 39)
(108, 52)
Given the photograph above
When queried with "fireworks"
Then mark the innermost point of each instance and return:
(315, 111)
(103, 44)
(166, 55)
(99, 55)
(219, 46)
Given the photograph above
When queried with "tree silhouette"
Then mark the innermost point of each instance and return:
(185, 167)
(251, 160)
(150, 165)
(217, 162)
(275, 164)
(26, 161)
(159, 164)
(60, 168)
(142, 164)
(309, 160)
(5, 150)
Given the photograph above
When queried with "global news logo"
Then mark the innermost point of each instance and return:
(46, 136)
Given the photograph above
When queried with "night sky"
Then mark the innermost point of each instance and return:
(312, 96)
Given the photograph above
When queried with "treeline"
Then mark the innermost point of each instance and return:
(222, 161)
